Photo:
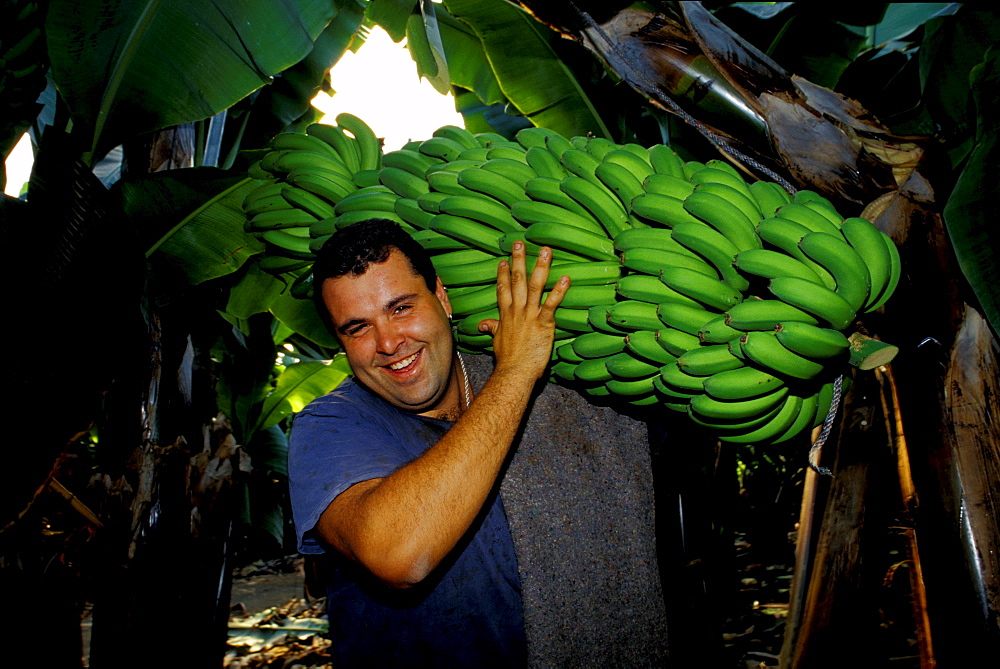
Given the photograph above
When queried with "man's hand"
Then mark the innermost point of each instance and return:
(523, 336)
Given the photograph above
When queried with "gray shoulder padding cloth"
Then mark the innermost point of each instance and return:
(579, 499)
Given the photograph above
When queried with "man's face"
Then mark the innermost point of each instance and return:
(396, 335)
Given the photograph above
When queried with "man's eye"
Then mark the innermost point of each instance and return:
(355, 331)
(402, 307)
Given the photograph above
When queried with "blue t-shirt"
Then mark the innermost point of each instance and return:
(467, 613)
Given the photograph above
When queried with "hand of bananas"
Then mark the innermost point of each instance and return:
(691, 288)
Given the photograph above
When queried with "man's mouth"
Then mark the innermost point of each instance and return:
(405, 362)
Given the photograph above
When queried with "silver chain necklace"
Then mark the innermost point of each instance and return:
(465, 375)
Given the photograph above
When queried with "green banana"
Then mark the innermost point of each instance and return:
(600, 146)
(717, 172)
(493, 184)
(593, 370)
(725, 217)
(605, 208)
(650, 289)
(414, 162)
(564, 351)
(326, 184)
(563, 371)
(344, 147)
(711, 408)
(772, 428)
(620, 181)
(684, 317)
(744, 203)
(803, 419)
(281, 219)
(638, 166)
(751, 315)
(369, 146)
(784, 234)
(488, 139)
(668, 184)
(436, 242)
(410, 211)
(690, 167)
(809, 218)
(676, 342)
(289, 242)
(544, 163)
(515, 152)
(707, 360)
(839, 258)
(644, 344)
(530, 212)
(821, 302)
(653, 238)
(533, 137)
(483, 209)
(402, 183)
(597, 316)
(584, 297)
(469, 325)
(661, 209)
(764, 349)
(506, 245)
(282, 264)
(811, 340)
(734, 426)
(895, 271)
(707, 290)
(258, 205)
(472, 233)
(598, 344)
(474, 301)
(446, 181)
(771, 264)
(470, 274)
(515, 170)
(300, 141)
(463, 257)
(579, 162)
(626, 366)
(557, 145)
(867, 240)
(653, 261)
(576, 320)
(547, 189)
(714, 247)
(586, 273)
(457, 134)
(767, 196)
(676, 379)
(741, 383)
(443, 148)
(310, 202)
(665, 161)
(634, 315)
(368, 200)
(630, 388)
(717, 331)
(569, 238)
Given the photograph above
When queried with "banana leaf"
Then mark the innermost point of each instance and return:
(970, 206)
(194, 221)
(126, 67)
(255, 292)
(300, 384)
(391, 15)
(300, 315)
(531, 75)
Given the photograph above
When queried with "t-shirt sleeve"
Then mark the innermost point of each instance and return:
(333, 445)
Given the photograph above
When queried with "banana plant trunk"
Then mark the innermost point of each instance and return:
(166, 553)
(945, 408)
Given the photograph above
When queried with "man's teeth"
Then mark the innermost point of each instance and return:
(403, 363)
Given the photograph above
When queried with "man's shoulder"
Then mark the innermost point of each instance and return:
(347, 398)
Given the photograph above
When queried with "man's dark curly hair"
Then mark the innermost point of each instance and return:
(352, 249)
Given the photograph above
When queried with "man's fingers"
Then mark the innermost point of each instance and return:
(518, 274)
(539, 275)
(503, 285)
(556, 295)
(489, 325)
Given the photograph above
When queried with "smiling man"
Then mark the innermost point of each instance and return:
(395, 475)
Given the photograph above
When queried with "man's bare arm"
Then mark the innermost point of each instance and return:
(402, 526)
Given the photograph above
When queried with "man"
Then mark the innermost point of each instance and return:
(397, 472)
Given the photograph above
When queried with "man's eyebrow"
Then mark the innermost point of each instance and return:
(390, 305)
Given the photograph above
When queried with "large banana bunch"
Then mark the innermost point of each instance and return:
(691, 288)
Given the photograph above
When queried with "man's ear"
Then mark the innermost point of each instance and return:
(442, 296)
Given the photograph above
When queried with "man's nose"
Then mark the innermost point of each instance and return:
(390, 338)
